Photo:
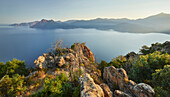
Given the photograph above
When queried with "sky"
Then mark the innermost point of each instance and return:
(16, 11)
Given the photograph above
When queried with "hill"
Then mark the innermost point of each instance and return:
(159, 23)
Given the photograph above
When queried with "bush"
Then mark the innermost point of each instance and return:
(12, 86)
(73, 46)
(161, 79)
(143, 68)
(58, 87)
(13, 67)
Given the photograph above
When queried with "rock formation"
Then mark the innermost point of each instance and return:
(89, 88)
(117, 79)
(80, 58)
(106, 90)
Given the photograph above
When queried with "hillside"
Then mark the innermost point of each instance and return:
(159, 23)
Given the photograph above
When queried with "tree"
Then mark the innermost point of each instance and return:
(13, 67)
(145, 50)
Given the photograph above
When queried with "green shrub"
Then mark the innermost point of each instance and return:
(58, 87)
(12, 87)
(143, 68)
(161, 79)
(73, 46)
(13, 67)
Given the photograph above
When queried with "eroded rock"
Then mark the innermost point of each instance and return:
(117, 79)
(89, 88)
(106, 90)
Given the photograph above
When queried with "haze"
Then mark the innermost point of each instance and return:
(15, 11)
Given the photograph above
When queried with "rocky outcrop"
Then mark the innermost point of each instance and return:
(40, 62)
(70, 60)
(89, 88)
(106, 90)
(80, 59)
(80, 55)
(143, 90)
(117, 79)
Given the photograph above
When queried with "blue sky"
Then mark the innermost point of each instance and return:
(15, 11)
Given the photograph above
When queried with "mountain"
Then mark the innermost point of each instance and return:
(25, 24)
(159, 23)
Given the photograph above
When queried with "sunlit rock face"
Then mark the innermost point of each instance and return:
(106, 90)
(117, 79)
(89, 88)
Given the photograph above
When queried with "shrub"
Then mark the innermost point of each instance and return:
(73, 46)
(143, 68)
(13, 67)
(12, 86)
(161, 79)
(58, 87)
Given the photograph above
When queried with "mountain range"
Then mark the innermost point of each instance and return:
(159, 23)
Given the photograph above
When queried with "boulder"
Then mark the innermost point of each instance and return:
(106, 90)
(117, 79)
(40, 62)
(143, 90)
(89, 88)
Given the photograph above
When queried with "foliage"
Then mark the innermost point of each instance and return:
(161, 79)
(145, 50)
(116, 62)
(73, 46)
(59, 87)
(155, 47)
(76, 92)
(13, 67)
(12, 86)
(143, 68)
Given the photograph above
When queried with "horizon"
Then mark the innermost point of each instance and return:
(26, 11)
(86, 19)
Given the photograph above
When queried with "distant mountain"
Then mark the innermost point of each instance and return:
(159, 23)
(25, 24)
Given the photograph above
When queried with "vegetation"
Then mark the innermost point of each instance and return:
(143, 68)
(155, 47)
(58, 87)
(13, 67)
(152, 67)
(12, 86)
(161, 81)
(73, 46)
